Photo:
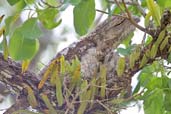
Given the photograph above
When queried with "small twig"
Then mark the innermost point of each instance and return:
(132, 20)
(110, 112)
(67, 111)
(129, 3)
(132, 97)
(110, 89)
(30, 9)
(75, 97)
(98, 19)
(118, 4)
(143, 40)
(69, 105)
(112, 14)
(102, 11)
(136, 4)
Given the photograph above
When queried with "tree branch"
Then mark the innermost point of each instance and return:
(93, 51)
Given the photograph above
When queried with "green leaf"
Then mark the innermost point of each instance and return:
(134, 56)
(134, 10)
(143, 3)
(52, 2)
(84, 14)
(123, 51)
(20, 5)
(127, 40)
(53, 74)
(5, 47)
(169, 49)
(137, 52)
(143, 61)
(59, 95)
(75, 2)
(164, 43)
(62, 65)
(145, 79)
(169, 58)
(155, 11)
(148, 53)
(84, 96)
(21, 48)
(29, 1)
(93, 89)
(120, 66)
(31, 96)
(168, 112)
(149, 79)
(25, 65)
(76, 76)
(164, 3)
(155, 82)
(147, 19)
(137, 88)
(84, 85)
(74, 64)
(167, 100)
(29, 29)
(103, 80)
(1, 46)
(84, 104)
(13, 2)
(48, 17)
(9, 22)
(148, 40)
(117, 10)
(161, 37)
(154, 50)
(48, 104)
(132, 61)
(148, 69)
(23, 43)
(47, 73)
(153, 103)
(168, 83)
(126, 51)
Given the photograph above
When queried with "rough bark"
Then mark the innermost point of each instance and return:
(93, 51)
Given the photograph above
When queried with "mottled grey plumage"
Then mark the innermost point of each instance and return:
(92, 49)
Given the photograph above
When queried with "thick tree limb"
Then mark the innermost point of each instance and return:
(92, 51)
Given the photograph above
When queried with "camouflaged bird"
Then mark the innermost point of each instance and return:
(92, 49)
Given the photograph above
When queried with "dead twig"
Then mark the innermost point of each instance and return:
(109, 111)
